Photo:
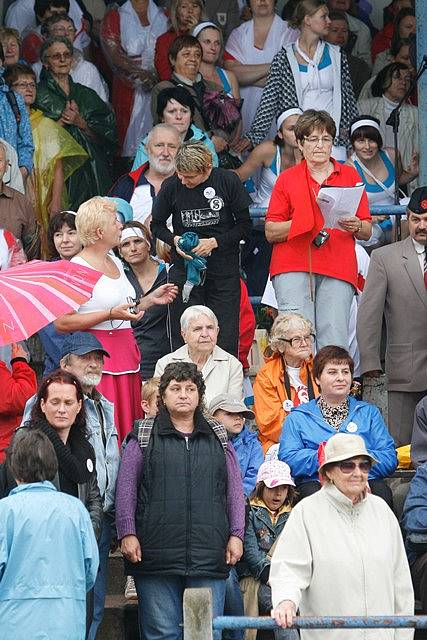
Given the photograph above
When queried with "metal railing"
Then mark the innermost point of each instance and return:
(258, 213)
(200, 625)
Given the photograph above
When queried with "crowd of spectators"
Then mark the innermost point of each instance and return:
(134, 140)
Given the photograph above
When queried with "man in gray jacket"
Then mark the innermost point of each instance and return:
(396, 287)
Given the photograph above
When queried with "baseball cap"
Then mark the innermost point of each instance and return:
(418, 201)
(80, 343)
(124, 208)
(274, 474)
(227, 402)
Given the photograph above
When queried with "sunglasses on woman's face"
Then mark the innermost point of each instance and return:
(348, 466)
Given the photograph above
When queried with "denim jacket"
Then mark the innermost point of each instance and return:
(260, 535)
(108, 457)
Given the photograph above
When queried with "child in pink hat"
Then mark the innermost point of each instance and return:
(268, 508)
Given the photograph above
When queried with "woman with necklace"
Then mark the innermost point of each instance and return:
(145, 273)
(335, 410)
(313, 269)
(309, 74)
(286, 379)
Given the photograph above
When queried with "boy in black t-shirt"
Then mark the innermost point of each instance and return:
(213, 204)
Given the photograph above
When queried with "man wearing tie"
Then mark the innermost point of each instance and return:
(396, 287)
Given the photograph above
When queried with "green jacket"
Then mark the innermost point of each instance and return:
(94, 177)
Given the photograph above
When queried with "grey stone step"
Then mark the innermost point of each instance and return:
(120, 619)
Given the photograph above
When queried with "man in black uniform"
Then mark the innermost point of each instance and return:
(213, 204)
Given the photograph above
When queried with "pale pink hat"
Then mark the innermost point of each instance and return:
(275, 473)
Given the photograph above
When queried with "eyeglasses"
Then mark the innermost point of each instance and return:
(24, 85)
(61, 56)
(348, 466)
(314, 140)
(298, 341)
(61, 30)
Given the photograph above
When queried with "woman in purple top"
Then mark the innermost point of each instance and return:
(179, 504)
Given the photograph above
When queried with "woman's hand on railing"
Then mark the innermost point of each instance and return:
(284, 613)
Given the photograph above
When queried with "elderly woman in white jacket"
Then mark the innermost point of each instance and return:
(221, 371)
(341, 552)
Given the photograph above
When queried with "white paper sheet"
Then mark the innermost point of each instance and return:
(338, 202)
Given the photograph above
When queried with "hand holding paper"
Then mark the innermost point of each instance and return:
(337, 203)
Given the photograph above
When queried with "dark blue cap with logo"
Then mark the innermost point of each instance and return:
(80, 343)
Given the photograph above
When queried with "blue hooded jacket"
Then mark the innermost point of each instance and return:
(250, 456)
(305, 428)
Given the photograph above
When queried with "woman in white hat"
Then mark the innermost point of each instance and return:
(341, 552)
(273, 157)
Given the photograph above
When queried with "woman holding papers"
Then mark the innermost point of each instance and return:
(313, 269)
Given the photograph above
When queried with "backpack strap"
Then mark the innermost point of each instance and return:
(220, 431)
(11, 98)
(145, 428)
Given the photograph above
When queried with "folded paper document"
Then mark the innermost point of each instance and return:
(338, 202)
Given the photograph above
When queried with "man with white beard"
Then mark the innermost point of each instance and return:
(83, 356)
(139, 187)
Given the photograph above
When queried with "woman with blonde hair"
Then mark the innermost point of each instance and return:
(286, 379)
(112, 307)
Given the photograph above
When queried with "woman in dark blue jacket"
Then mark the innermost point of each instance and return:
(335, 411)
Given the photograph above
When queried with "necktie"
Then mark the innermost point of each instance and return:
(425, 268)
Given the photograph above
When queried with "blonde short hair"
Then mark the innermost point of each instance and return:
(283, 323)
(193, 157)
(9, 32)
(93, 215)
(150, 389)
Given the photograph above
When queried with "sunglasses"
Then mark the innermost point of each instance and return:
(348, 466)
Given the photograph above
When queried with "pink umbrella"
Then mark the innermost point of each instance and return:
(34, 294)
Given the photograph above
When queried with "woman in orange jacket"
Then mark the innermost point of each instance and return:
(286, 379)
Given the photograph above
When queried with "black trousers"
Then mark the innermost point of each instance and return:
(221, 294)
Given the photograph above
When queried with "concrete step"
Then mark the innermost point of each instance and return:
(120, 619)
(116, 576)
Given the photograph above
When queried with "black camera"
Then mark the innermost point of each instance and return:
(321, 238)
(134, 301)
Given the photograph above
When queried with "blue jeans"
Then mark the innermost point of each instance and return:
(160, 604)
(233, 605)
(100, 587)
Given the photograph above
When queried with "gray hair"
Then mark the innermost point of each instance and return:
(283, 323)
(49, 42)
(163, 127)
(194, 312)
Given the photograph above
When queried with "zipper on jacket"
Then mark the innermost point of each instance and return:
(188, 491)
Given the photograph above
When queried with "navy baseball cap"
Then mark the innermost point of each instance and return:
(80, 343)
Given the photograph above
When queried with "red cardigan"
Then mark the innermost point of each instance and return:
(294, 198)
(16, 388)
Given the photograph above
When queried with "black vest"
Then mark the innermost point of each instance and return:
(181, 515)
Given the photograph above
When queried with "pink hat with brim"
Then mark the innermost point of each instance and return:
(275, 473)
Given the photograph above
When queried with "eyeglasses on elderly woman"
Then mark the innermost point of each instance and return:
(348, 466)
(298, 341)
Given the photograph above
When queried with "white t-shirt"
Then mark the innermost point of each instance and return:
(107, 293)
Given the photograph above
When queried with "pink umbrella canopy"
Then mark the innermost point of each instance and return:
(34, 294)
